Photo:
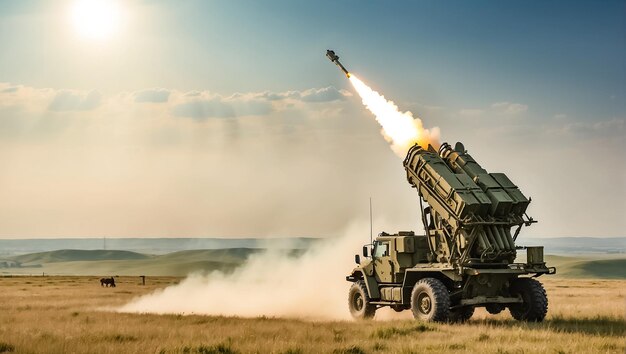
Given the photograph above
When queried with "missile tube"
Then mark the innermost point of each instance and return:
(494, 242)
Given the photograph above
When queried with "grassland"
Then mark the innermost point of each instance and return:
(59, 314)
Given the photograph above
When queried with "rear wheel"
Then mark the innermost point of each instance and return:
(462, 314)
(430, 301)
(359, 302)
(535, 305)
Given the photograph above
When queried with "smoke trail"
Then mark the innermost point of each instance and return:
(400, 129)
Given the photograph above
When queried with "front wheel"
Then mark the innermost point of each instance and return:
(535, 301)
(359, 302)
(430, 301)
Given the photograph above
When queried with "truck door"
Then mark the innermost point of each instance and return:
(382, 262)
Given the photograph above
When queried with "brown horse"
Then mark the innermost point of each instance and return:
(107, 282)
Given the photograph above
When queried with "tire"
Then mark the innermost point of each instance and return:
(494, 309)
(430, 301)
(535, 305)
(359, 302)
(462, 314)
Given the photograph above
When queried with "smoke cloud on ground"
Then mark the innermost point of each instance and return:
(273, 284)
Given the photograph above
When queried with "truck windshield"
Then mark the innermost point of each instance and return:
(381, 249)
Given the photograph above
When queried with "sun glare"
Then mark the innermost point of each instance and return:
(97, 19)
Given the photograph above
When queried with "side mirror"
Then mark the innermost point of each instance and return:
(364, 251)
(357, 259)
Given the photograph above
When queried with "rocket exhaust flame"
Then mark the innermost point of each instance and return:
(400, 129)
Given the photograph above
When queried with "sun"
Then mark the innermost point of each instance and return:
(97, 19)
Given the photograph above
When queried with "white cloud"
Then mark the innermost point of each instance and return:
(471, 112)
(277, 96)
(218, 107)
(156, 95)
(601, 128)
(66, 100)
(502, 108)
(509, 108)
(325, 94)
(10, 89)
(203, 105)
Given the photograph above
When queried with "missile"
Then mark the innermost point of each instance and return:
(335, 59)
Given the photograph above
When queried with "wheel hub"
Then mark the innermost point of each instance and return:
(358, 302)
(425, 304)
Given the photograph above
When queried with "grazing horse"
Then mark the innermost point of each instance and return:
(107, 282)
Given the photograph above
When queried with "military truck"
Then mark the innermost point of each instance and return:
(466, 259)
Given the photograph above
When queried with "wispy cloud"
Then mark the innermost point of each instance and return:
(218, 107)
(325, 94)
(66, 100)
(10, 89)
(156, 95)
(509, 108)
(604, 128)
(471, 112)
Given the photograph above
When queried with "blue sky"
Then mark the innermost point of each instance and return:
(555, 70)
(471, 51)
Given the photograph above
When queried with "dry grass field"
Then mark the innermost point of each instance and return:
(65, 315)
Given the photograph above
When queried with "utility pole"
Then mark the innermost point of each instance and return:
(371, 224)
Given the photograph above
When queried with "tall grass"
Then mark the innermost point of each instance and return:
(69, 314)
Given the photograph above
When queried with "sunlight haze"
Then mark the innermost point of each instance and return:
(225, 119)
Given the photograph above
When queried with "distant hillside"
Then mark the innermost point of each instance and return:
(94, 262)
(577, 245)
(10, 247)
(228, 255)
(610, 268)
(579, 267)
(76, 255)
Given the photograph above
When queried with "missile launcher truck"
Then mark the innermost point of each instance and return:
(466, 259)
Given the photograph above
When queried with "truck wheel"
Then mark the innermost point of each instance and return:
(359, 302)
(535, 305)
(430, 301)
(494, 309)
(462, 314)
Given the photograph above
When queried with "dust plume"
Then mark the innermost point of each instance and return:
(273, 284)
(400, 129)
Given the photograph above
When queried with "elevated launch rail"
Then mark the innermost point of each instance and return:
(470, 212)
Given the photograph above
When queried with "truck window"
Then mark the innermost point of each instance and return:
(381, 249)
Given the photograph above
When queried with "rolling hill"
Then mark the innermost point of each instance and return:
(181, 263)
(111, 262)
(76, 255)
(600, 267)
